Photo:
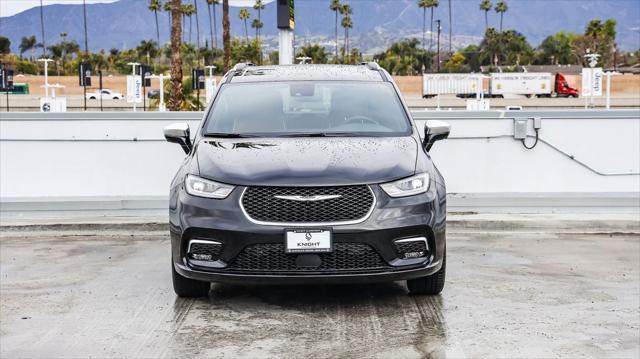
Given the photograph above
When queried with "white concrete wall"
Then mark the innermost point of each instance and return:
(85, 156)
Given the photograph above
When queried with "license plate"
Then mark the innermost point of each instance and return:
(308, 241)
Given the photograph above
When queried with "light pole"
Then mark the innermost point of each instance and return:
(46, 77)
(592, 59)
(133, 74)
(161, 105)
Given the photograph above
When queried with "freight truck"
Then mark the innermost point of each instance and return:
(501, 84)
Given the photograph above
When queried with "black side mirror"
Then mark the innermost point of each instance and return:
(179, 133)
(435, 130)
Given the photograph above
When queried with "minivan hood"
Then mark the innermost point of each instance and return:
(307, 161)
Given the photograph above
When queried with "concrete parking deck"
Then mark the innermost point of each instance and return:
(509, 295)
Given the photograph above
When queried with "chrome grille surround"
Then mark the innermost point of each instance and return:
(370, 200)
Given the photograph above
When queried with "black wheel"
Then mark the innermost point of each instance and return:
(92, 98)
(188, 288)
(431, 284)
(115, 98)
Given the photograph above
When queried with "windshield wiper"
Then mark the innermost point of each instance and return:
(228, 135)
(320, 134)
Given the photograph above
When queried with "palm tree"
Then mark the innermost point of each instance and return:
(86, 37)
(213, 25)
(501, 8)
(44, 44)
(28, 44)
(346, 23)
(427, 4)
(167, 7)
(188, 10)
(257, 24)
(244, 15)
(226, 35)
(155, 6)
(176, 96)
(335, 7)
(147, 48)
(486, 5)
(195, 11)
(259, 6)
(450, 28)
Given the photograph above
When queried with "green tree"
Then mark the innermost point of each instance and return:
(28, 43)
(599, 37)
(244, 15)
(403, 58)
(335, 6)
(556, 49)
(245, 51)
(316, 52)
(147, 50)
(155, 6)
(486, 5)
(456, 63)
(5, 45)
(471, 54)
(501, 8)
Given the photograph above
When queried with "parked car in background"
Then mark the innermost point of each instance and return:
(153, 93)
(106, 95)
(307, 174)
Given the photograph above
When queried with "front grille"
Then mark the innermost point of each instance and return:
(353, 205)
(270, 257)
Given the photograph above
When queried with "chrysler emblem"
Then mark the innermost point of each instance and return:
(309, 198)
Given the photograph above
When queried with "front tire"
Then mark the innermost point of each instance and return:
(431, 284)
(188, 288)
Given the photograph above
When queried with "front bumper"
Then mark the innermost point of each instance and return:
(392, 219)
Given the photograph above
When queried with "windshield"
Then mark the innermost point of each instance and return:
(303, 108)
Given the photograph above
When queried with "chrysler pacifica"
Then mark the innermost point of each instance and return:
(307, 174)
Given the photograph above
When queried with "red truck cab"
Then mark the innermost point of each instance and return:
(562, 88)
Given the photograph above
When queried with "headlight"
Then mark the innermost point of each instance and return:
(201, 187)
(407, 186)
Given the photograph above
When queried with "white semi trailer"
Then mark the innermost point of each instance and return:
(501, 84)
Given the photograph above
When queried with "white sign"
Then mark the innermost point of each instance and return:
(53, 104)
(478, 105)
(592, 81)
(210, 87)
(134, 89)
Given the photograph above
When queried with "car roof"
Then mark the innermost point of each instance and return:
(306, 72)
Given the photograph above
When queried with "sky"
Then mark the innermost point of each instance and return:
(12, 7)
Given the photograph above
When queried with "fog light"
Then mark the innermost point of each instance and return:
(412, 247)
(204, 250)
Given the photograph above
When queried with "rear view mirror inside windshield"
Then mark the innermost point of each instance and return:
(302, 89)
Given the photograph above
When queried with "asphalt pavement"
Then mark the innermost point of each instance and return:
(508, 295)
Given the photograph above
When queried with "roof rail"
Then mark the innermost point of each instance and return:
(372, 65)
(238, 69)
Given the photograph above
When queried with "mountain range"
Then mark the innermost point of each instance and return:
(377, 23)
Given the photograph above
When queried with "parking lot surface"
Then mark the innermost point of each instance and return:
(509, 295)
